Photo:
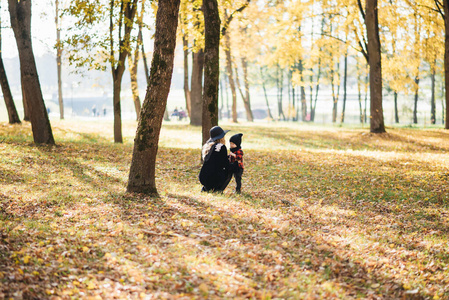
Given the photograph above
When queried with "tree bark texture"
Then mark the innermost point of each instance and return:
(375, 70)
(20, 14)
(212, 24)
(143, 165)
(196, 94)
(26, 110)
(59, 62)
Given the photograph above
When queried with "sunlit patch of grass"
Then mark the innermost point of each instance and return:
(326, 212)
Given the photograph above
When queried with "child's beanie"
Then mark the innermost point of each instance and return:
(236, 139)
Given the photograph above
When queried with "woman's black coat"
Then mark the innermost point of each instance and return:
(215, 173)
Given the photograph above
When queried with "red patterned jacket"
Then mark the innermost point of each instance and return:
(238, 157)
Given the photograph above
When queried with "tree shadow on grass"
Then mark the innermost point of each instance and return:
(260, 258)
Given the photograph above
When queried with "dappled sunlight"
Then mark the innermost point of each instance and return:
(348, 220)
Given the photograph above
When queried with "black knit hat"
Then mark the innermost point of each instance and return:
(217, 133)
(236, 139)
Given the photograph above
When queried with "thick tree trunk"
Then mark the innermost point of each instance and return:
(227, 50)
(117, 87)
(59, 62)
(142, 173)
(432, 97)
(196, 94)
(185, 44)
(211, 66)
(415, 103)
(375, 70)
(345, 80)
(20, 15)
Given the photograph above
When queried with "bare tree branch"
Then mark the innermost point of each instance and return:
(361, 9)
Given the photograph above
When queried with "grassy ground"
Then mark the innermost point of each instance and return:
(326, 213)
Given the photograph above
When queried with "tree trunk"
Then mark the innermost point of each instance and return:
(246, 99)
(185, 44)
(317, 89)
(280, 85)
(396, 109)
(446, 59)
(227, 50)
(142, 174)
(117, 86)
(20, 15)
(345, 80)
(59, 61)
(13, 116)
(133, 65)
(365, 115)
(196, 95)
(375, 70)
(432, 97)
(26, 110)
(359, 91)
(145, 65)
(303, 93)
(335, 95)
(442, 103)
(118, 68)
(415, 105)
(212, 24)
(245, 96)
(266, 96)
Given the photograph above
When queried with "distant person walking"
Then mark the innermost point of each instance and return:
(216, 172)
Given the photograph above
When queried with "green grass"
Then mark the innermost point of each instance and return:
(326, 212)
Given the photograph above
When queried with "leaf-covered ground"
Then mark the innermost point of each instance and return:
(326, 213)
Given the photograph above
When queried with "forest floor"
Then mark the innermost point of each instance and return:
(325, 213)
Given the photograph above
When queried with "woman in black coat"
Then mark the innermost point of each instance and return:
(216, 172)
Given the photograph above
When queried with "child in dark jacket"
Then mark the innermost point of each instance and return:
(236, 159)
